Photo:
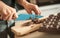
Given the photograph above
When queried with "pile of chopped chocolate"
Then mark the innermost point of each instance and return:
(51, 24)
(53, 21)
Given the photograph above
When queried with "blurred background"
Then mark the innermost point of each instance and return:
(47, 7)
(39, 3)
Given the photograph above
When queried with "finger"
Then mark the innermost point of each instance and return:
(29, 11)
(36, 10)
(15, 16)
(4, 12)
(10, 17)
(7, 16)
(39, 12)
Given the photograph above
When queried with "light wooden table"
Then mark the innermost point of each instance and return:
(37, 34)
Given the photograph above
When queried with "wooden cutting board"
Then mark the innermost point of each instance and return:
(19, 28)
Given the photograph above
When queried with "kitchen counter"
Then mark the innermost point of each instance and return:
(37, 34)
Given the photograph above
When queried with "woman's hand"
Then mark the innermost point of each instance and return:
(29, 7)
(7, 12)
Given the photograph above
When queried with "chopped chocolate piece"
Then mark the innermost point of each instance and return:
(47, 26)
(51, 16)
(54, 25)
(51, 20)
(54, 20)
(27, 23)
(58, 23)
(58, 14)
(58, 26)
(55, 17)
(36, 21)
(51, 26)
(49, 23)
(59, 20)
(44, 22)
(48, 18)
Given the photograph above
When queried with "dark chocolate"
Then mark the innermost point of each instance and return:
(50, 16)
(36, 21)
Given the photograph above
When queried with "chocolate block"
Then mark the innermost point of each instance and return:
(36, 21)
(52, 21)
(50, 16)
(58, 14)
